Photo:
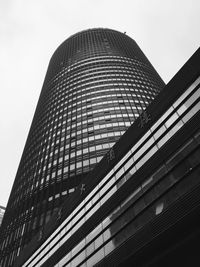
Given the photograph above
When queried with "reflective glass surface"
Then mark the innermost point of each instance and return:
(155, 138)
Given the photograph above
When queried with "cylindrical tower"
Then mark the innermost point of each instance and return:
(98, 82)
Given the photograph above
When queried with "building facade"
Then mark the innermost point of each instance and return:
(97, 84)
(141, 203)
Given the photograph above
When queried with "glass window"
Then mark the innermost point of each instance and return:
(187, 92)
(109, 247)
(90, 249)
(182, 109)
(159, 132)
(96, 257)
(192, 112)
(98, 241)
(65, 259)
(148, 155)
(78, 259)
(171, 120)
(159, 208)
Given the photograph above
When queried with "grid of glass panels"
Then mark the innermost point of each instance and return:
(172, 120)
(167, 184)
(97, 84)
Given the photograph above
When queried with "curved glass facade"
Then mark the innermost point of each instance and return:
(154, 194)
(98, 82)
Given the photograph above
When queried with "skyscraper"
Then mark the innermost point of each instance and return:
(141, 202)
(97, 83)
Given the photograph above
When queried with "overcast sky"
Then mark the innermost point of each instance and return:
(168, 32)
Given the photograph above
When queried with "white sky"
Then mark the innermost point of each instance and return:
(30, 31)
